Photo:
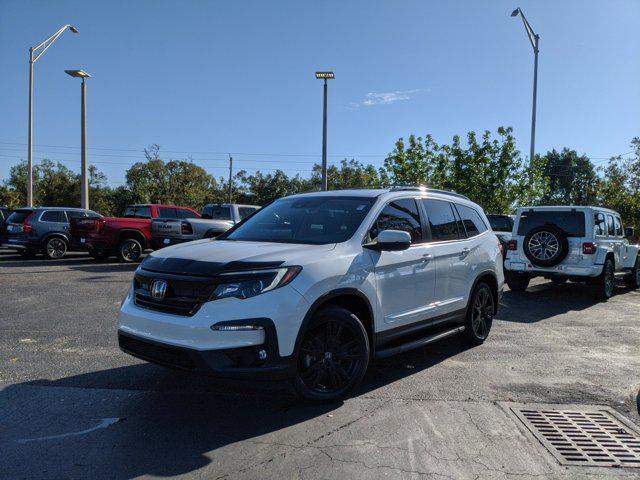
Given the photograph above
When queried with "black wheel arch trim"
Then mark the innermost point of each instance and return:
(122, 235)
(496, 297)
(322, 300)
(51, 235)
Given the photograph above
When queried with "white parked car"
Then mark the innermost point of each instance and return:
(313, 286)
(571, 243)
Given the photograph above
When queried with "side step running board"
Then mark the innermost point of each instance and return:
(418, 343)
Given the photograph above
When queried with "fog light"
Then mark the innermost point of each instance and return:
(235, 328)
(262, 354)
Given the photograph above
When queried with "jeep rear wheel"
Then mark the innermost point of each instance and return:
(333, 355)
(130, 250)
(517, 282)
(633, 279)
(603, 285)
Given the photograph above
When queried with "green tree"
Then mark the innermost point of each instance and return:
(572, 178)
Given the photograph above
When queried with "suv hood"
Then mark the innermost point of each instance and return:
(210, 257)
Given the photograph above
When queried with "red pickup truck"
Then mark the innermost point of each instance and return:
(125, 237)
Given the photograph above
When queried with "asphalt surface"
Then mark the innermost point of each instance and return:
(73, 406)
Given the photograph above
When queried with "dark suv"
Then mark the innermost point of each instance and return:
(4, 214)
(43, 229)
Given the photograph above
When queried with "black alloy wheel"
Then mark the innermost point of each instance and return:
(604, 284)
(55, 248)
(333, 355)
(633, 279)
(480, 314)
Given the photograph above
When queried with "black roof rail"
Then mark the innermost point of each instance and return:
(417, 188)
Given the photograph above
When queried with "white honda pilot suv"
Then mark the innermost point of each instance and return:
(571, 243)
(312, 287)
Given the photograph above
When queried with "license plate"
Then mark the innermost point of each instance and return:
(82, 240)
(166, 241)
(517, 266)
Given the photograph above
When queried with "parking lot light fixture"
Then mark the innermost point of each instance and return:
(84, 190)
(324, 76)
(534, 38)
(34, 54)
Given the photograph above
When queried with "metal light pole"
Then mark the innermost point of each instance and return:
(325, 76)
(230, 178)
(33, 58)
(534, 38)
(84, 190)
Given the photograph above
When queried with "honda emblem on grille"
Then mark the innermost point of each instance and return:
(158, 289)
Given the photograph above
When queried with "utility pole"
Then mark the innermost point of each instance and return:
(230, 178)
(84, 190)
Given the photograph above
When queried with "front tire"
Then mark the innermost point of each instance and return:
(517, 282)
(55, 248)
(333, 355)
(480, 314)
(129, 250)
(603, 285)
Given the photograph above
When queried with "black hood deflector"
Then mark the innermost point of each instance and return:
(185, 266)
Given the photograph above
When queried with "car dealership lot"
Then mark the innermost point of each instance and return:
(73, 406)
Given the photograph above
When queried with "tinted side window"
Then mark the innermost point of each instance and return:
(245, 211)
(137, 212)
(600, 224)
(54, 216)
(166, 212)
(220, 212)
(75, 214)
(399, 215)
(183, 213)
(618, 225)
(610, 226)
(441, 219)
(472, 221)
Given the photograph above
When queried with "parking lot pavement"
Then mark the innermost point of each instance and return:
(73, 406)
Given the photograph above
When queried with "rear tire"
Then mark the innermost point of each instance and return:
(129, 250)
(333, 355)
(603, 284)
(480, 314)
(55, 248)
(633, 279)
(517, 282)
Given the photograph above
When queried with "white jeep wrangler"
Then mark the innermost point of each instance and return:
(563, 243)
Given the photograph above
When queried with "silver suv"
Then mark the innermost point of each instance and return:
(563, 243)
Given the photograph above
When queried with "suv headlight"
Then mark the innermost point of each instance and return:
(249, 283)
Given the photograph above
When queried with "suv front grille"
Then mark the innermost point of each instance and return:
(184, 295)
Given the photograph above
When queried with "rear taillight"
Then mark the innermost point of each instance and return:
(99, 225)
(502, 250)
(513, 244)
(26, 226)
(589, 248)
(186, 228)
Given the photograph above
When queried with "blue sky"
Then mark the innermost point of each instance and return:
(216, 77)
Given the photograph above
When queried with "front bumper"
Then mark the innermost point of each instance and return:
(258, 362)
(19, 244)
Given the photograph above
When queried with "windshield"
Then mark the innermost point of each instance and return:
(571, 221)
(310, 220)
(500, 223)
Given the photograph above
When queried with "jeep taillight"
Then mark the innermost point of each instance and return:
(589, 248)
(502, 250)
(513, 244)
(99, 225)
(186, 228)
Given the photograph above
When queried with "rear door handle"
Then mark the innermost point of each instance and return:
(426, 257)
(465, 251)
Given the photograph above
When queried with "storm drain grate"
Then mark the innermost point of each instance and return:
(584, 437)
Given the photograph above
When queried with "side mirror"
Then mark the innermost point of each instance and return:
(629, 232)
(391, 240)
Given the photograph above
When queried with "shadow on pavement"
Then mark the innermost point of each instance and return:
(545, 300)
(172, 423)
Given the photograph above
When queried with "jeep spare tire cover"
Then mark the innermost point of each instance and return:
(546, 246)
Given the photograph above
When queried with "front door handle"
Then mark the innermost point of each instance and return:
(465, 251)
(426, 257)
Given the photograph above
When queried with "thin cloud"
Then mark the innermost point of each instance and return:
(386, 98)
